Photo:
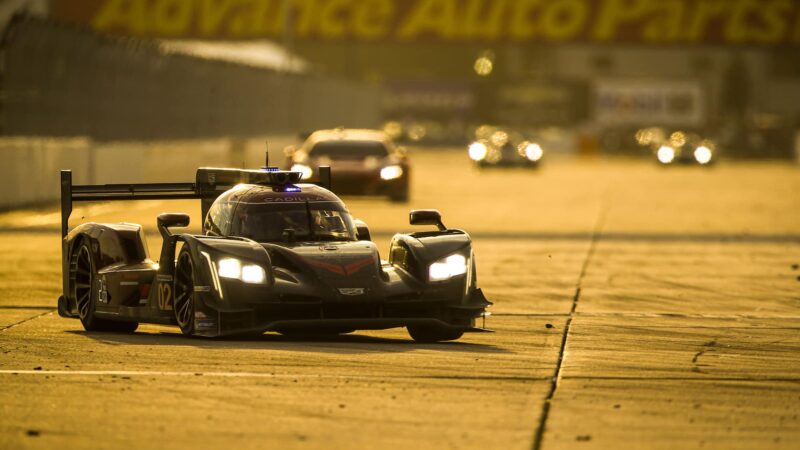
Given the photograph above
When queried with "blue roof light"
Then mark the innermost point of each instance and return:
(291, 188)
(271, 169)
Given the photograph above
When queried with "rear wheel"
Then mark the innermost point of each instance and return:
(432, 333)
(183, 301)
(83, 279)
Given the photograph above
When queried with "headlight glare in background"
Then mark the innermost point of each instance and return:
(391, 172)
(533, 151)
(477, 151)
(702, 154)
(305, 171)
(665, 154)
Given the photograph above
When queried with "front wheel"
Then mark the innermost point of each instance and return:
(431, 333)
(183, 301)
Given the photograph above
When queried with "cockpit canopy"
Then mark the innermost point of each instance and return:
(263, 214)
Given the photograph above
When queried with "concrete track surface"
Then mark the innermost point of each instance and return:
(635, 307)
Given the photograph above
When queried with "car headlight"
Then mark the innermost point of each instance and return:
(532, 151)
(447, 268)
(702, 154)
(233, 268)
(665, 154)
(477, 151)
(499, 138)
(305, 171)
(391, 172)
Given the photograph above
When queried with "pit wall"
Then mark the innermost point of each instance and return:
(29, 175)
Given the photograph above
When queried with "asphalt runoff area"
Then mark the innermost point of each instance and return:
(635, 307)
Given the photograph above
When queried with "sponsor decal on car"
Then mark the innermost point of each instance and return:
(351, 291)
(343, 270)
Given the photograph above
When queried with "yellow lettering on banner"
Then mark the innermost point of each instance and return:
(666, 22)
(477, 22)
(273, 16)
(305, 16)
(703, 13)
(245, 18)
(211, 14)
(372, 18)
(796, 39)
(239, 19)
(259, 18)
(521, 26)
(331, 24)
(172, 17)
(775, 15)
(736, 27)
(126, 14)
(614, 13)
(563, 19)
(437, 17)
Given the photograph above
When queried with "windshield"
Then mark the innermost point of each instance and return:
(309, 221)
(349, 149)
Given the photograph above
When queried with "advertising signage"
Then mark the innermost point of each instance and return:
(715, 22)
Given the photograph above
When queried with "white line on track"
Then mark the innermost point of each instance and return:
(152, 373)
(162, 373)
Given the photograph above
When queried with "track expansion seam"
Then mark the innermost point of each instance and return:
(540, 429)
(26, 320)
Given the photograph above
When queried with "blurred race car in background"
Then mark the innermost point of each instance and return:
(679, 147)
(496, 146)
(367, 162)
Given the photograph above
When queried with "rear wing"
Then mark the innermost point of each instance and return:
(209, 184)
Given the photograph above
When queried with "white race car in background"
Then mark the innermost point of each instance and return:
(679, 147)
(496, 146)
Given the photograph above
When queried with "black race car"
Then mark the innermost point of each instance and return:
(275, 255)
(367, 161)
(496, 146)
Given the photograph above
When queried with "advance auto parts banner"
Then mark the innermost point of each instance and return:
(735, 22)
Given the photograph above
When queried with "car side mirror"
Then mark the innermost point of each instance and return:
(168, 220)
(426, 217)
(362, 231)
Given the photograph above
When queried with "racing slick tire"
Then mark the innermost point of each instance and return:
(183, 289)
(83, 281)
(429, 333)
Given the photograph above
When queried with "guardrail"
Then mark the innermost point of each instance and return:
(29, 174)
